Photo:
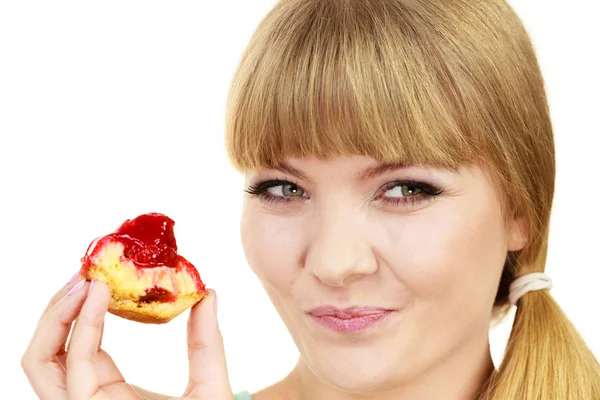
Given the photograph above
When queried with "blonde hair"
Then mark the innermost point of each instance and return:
(446, 83)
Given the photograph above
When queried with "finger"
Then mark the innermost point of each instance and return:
(107, 369)
(53, 329)
(39, 361)
(101, 336)
(83, 380)
(108, 372)
(99, 342)
(208, 369)
(60, 294)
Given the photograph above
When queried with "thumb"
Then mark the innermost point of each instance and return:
(208, 369)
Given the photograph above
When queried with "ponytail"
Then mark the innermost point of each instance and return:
(545, 357)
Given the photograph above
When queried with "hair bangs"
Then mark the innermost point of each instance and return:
(326, 81)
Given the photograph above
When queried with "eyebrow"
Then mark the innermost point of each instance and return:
(363, 175)
(285, 167)
(380, 169)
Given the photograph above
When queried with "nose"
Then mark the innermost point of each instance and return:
(339, 251)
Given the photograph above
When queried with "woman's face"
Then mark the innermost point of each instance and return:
(377, 280)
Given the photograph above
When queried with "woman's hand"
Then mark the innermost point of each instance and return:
(208, 379)
(85, 372)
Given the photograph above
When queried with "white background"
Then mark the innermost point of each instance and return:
(115, 108)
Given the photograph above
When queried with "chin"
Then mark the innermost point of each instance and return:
(357, 370)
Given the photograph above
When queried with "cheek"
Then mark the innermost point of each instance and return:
(271, 246)
(449, 257)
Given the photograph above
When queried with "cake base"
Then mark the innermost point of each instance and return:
(125, 304)
(153, 312)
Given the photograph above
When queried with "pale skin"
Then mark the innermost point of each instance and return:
(338, 240)
(437, 262)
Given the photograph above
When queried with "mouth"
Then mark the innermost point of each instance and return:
(348, 320)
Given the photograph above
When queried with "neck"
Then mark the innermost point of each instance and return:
(460, 376)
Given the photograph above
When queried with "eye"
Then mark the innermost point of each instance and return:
(409, 193)
(277, 190)
(404, 191)
(286, 189)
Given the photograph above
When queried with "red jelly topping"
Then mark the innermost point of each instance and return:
(149, 241)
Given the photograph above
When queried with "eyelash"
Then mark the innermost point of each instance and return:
(429, 192)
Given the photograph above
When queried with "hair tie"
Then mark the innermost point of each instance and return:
(528, 283)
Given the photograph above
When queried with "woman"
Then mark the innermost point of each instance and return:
(399, 165)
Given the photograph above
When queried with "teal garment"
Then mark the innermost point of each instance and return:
(242, 396)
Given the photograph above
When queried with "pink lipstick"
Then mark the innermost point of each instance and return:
(353, 319)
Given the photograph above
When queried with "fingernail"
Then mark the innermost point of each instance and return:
(76, 288)
(91, 285)
(74, 278)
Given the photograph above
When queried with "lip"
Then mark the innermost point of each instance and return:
(348, 320)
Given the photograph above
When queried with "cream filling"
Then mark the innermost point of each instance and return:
(128, 281)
